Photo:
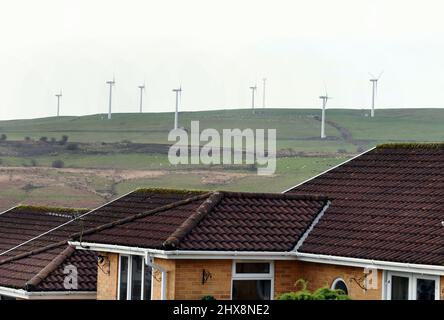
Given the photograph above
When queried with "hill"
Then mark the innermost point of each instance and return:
(109, 157)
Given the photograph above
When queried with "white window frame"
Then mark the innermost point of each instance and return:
(336, 281)
(129, 275)
(412, 283)
(253, 276)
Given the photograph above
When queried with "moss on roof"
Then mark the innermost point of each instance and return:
(51, 209)
(166, 190)
(412, 145)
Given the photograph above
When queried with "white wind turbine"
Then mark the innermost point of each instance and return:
(178, 93)
(324, 99)
(374, 80)
(111, 84)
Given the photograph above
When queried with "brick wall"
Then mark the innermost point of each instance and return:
(321, 275)
(108, 277)
(170, 267)
(184, 279)
(189, 279)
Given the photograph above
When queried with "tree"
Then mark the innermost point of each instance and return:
(64, 139)
(3, 137)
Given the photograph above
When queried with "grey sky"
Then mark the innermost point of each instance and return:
(216, 50)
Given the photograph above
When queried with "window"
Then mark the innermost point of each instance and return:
(411, 286)
(252, 281)
(339, 284)
(134, 278)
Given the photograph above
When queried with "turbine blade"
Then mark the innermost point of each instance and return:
(382, 72)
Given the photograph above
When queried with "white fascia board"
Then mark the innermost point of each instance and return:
(251, 255)
(184, 254)
(367, 263)
(47, 295)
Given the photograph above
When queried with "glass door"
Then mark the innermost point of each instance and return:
(411, 286)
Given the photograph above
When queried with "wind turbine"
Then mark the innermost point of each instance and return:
(324, 99)
(178, 93)
(111, 84)
(58, 95)
(374, 81)
(142, 88)
(264, 80)
(253, 90)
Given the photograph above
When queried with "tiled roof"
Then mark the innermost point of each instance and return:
(33, 240)
(385, 205)
(220, 221)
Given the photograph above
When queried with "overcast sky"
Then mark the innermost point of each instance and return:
(216, 50)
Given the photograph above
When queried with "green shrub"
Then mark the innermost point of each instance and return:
(64, 140)
(72, 147)
(58, 164)
(208, 298)
(3, 137)
(323, 293)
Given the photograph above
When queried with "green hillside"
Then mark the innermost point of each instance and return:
(114, 156)
(296, 128)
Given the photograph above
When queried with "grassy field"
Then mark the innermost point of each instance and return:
(97, 173)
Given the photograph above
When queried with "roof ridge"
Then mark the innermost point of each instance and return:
(275, 195)
(48, 209)
(49, 268)
(412, 145)
(311, 226)
(140, 215)
(193, 220)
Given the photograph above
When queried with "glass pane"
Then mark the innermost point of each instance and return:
(251, 289)
(252, 267)
(147, 283)
(400, 288)
(340, 285)
(136, 281)
(425, 289)
(123, 285)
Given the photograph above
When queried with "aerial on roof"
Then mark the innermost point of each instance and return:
(217, 221)
(386, 204)
(33, 240)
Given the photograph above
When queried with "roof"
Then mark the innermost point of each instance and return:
(217, 221)
(386, 204)
(25, 256)
(33, 240)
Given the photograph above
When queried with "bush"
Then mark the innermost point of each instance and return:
(64, 140)
(3, 137)
(323, 293)
(53, 140)
(72, 146)
(43, 139)
(33, 163)
(208, 298)
(27, 138)
(58, 164)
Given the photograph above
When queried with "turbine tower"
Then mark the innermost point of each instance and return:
(324, 99)
(141, 88)
(178, 93)
(253, 90)
(374, 81)
(264, 80)
(111, 84)
(58, 95)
